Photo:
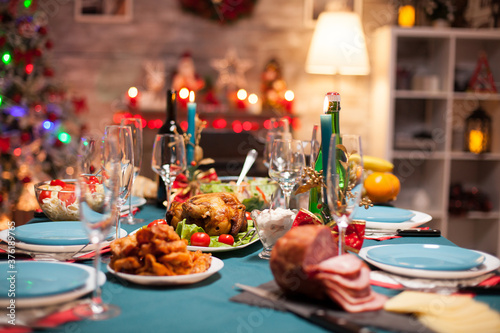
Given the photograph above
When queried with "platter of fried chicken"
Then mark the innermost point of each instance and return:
(157, 256)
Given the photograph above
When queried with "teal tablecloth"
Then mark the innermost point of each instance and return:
(205, 306)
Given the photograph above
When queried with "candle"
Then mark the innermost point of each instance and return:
(191, 127)
(326, 133)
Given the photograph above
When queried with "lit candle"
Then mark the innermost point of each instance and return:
(476, 141)
(326, 132)
(254, 105)
(191, 127)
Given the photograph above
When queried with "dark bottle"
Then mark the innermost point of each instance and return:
(170, 126)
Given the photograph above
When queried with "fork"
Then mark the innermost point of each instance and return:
(252, 232)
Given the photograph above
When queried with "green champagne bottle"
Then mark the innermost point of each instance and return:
(330, 124)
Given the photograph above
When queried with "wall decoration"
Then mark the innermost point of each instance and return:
(103, 11)
(223, 11)
(312, 8)
(483, 14)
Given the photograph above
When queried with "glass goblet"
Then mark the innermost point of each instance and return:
(122, 135)
(168, 160)
(97, 188)
(136, 126)
(286, 165)
(344, 181)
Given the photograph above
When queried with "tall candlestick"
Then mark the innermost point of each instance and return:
(191, 127)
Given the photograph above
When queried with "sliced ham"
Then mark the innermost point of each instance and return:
(355, 282)
(301, 247)
(305, 261)
(376, 303)
(351, 296)
(347, 264)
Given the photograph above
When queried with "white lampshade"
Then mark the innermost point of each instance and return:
(338, 45)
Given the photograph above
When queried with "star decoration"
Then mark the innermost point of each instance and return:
(231, 70)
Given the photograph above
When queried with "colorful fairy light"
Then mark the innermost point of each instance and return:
(132, 92)
(184, 93)
(48, 125)
(64, 137)
(6, 58)
(241, 94)
(29, 69)
(27, 3)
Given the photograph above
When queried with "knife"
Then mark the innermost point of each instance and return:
(317, 316)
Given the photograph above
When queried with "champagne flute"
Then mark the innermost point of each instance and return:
(97, 189)
(123, 136)
(286, 165)
(344, 181)
(169, 159)
(270, 137)
(136, 126)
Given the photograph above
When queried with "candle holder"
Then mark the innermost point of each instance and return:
(478, 132)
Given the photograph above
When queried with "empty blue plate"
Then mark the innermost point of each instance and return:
(426, 256)
(54, 233)
(383, 214)
(36, 279)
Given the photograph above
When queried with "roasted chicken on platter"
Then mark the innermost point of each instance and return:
(216, 213)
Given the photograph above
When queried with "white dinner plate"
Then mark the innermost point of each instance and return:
(418, 219)
(221, 248)
(30, 302)
(148, 280)
(489, 264)
(56, 248)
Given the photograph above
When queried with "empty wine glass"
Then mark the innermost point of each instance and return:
(136, 126)
(97, 190)
(123, 136)
(270, 137)
(344, 181)
(286, 165)
(169, 159)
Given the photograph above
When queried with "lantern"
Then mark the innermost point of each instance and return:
(478, 132)
(406, 16)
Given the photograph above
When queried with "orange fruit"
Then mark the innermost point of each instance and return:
(382, 186)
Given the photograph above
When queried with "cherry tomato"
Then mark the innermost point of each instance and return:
(44, 195)
(158, 221)
(68, 196)
(226, 239)
(200, 239)
(57, 182)
(92, 180)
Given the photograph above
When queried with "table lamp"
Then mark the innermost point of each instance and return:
(338, 45)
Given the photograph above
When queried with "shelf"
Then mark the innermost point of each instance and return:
(420, 94)
(464, 156)
(476, 96)
(420, 154)
(477, 216)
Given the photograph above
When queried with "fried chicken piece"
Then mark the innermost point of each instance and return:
(127, 265)
(163, 247)
(216, 213)
(201, 261)
(179, 262)
(152, 267)
(124, 247)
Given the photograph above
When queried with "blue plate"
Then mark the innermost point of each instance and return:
(426, 256)
(383, 214)
(54, 233)
(35, 279)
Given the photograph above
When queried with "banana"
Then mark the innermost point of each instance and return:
(377, 164)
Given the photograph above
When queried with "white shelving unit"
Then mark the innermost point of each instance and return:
(435, 112)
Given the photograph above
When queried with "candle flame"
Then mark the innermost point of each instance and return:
(476, 145)
(253, 99)
(133, 92)
(289, 95)
(241, 94)
(184, 93)
(191, 96)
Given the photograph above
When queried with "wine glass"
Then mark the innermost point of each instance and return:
(169, 159)
(136, 126)
(344, 181)
(270, 137)
(286, 165)
(123, 136)
(97, 188)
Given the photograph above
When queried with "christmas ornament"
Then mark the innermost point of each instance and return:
(482, 79)
(231, 71)
(223, 11)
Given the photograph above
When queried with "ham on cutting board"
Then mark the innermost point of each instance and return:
(305, 261)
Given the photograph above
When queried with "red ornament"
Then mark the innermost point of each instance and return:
(4, 144)
(49, 44)
(17, 98)
(26, 180)
(48, 72)
(80, 104)
(52, 117)
(25, 137)
(37, 52)
(2, 40)
(58, 143)
(1, 198)
(42, 31)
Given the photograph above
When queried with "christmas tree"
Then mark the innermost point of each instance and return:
(39, 128)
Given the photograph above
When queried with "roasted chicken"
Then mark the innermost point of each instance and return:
(216, 213)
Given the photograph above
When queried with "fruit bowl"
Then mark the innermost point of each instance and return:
(57, 198)
(253, 192)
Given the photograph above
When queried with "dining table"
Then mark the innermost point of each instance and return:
(206, 306)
